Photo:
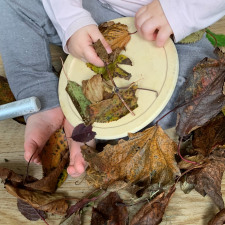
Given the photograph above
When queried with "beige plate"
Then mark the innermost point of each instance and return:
(154, 68)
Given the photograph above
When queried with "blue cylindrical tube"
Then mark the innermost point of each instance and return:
(19, 108)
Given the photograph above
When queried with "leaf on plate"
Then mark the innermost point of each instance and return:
(101, 51)
(55, 204)
(113, 109)
(207, 179)
(79, 100)
(30, 212)
(116, 34)
(93, 88)
(6, 96)
(146, 155)
(49, 182)
(215, 39)
(113, 67)
(194, 37)
(207, 137)
(202, 89)
(152, 212)
(110, 210)
(218, 219)
(82, 133)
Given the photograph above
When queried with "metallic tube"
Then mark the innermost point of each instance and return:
(19, 108)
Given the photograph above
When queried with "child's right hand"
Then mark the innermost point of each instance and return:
(80, 44)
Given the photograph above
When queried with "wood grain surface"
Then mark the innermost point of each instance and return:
(185, 209)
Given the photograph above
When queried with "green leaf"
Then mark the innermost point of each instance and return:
(215, 39)
(79, 100)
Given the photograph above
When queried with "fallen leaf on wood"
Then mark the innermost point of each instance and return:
(82, 133)
(55, 204)
(79, 100)
(152, 212)
(116, 34)
(202, 90)
(207, 180)
(29, 212)
(210, 135)
(49, 182)
(146, 155)
(218, 219)
(111, 210)
(113, 109)
(6, 96)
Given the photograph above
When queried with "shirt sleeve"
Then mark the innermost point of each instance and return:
(67, 16)
(188, 16)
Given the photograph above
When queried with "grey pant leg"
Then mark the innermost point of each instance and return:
(189, 55)
(25, 33)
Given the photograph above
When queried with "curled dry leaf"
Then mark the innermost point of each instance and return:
(110, 210)
(55, 204)
(146, 155)
(29, 212)
(207, 137)
(218, 219)
(207, 180)
(116, 34)
(202, 89)
(152, 212)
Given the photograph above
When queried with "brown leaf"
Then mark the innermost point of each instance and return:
(49, 182)
(147, 155)
(210, 135)
(116, 34)
(53, 151)
(111, 210)
(207, 180)
(6, 96)
(93, 88)
(55, 204)
(113, 109)
(152, 212)
(101, 51)
(203, 95)
(218, 219)
(29, 212)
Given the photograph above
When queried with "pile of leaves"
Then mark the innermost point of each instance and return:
(149, 164)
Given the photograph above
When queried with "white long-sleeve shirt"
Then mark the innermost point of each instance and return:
(184, 16)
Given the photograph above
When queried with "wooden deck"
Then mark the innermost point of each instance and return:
(190, 209)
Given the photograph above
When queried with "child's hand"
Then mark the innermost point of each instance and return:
(80, 44)
(152, 24)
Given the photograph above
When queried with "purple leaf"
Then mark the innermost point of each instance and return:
(29, 212)
(82, 133)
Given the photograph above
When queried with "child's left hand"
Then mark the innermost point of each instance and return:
(152, 24)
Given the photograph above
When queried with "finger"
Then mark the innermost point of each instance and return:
(162, 36)
(148, 29)
(31, 149)
(141, 20)
(91, 56)
(140, 12)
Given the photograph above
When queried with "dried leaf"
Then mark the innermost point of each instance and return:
(29, 212)
(6, 96)
(194, 37)
(116, 34)
(210, 135)
(113, 109)
(111, 210)
(101, 51)
(152, 212)
(203, 89)
(147, 155)
(82, 133)
(49, 182)
(55, 204)
(93, 88)
(218, 219)
(79, 100)
(207, 180)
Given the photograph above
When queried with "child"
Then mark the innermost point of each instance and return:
(26, 31)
